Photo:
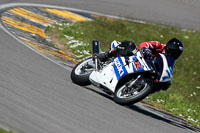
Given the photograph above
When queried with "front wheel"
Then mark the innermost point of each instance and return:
(127, 95)
(81, 72)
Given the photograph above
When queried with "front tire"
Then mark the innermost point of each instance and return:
(81, 72)
(128, 96)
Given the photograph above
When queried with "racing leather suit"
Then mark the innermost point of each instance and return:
(155, 46)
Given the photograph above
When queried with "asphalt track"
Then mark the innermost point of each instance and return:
(37, 96)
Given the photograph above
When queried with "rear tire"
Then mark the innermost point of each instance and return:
(80, 75)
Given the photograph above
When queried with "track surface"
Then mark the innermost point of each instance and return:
(37, 96)
(182, 13)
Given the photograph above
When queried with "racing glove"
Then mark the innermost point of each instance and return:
(103, 56)
(106, 55)
(146, 52)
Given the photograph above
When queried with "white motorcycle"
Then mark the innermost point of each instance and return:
(128, 79)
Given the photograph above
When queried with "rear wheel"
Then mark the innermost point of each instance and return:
(132, 91)
(81, 72)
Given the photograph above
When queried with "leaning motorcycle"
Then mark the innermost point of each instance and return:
(129, 79)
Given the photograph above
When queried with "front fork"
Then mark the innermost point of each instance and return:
(133, 82)
(140, 80)
(96, 61)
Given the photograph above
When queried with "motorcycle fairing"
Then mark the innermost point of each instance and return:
(119, 68)
(105, 77)
(113, 72)
(168, 67)
(127, 65)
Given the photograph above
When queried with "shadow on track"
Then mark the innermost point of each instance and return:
(148, 113)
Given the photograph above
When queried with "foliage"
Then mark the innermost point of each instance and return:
(3, 131)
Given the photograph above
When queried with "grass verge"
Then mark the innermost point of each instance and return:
(3, 131)
(183, 97)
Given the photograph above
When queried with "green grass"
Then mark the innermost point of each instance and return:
(3, 131)
(183, 97)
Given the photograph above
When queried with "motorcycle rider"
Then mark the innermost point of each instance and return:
(173, 48)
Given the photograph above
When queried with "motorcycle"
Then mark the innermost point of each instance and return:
(127, 79)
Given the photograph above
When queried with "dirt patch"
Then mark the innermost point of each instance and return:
(54, 37)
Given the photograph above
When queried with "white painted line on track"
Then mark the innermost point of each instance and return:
(4, 29)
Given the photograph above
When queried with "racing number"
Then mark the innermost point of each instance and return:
(137, 64)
